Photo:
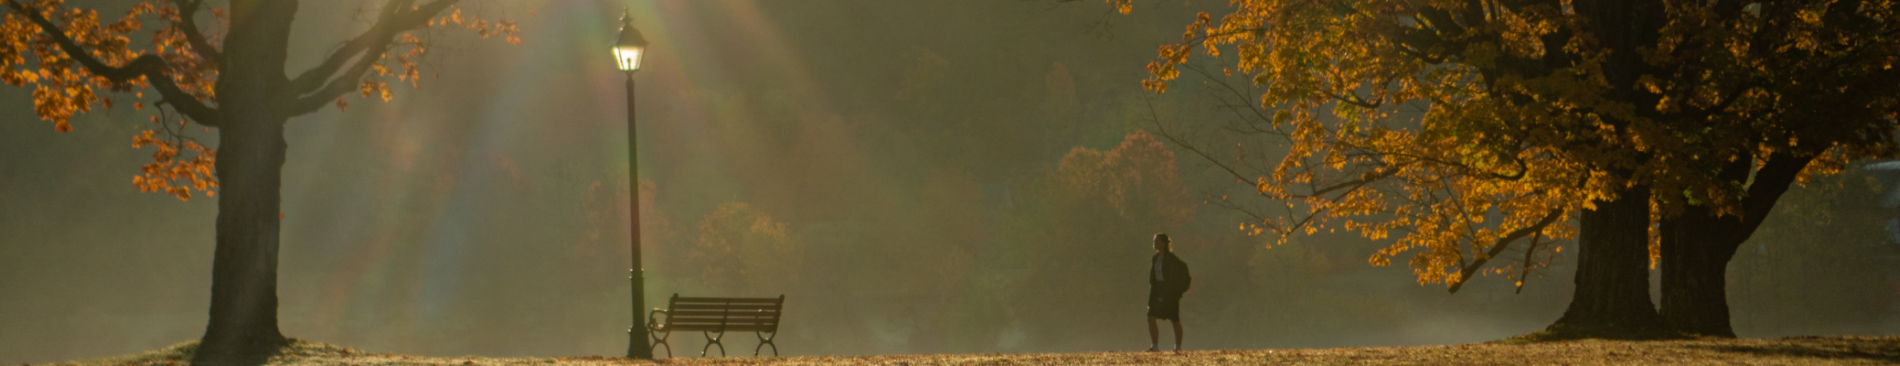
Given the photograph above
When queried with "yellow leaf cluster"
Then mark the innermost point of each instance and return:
(482, 27)
(186, 163)
(405, 56)
(30, 57)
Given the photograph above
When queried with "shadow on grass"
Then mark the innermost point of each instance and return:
(1818, 347)
(1567, 333)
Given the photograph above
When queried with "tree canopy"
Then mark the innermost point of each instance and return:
(1489, 121)
(1471, 125)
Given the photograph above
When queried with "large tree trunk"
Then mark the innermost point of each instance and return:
(1611, 298)
(243, 323)
(1696, 248)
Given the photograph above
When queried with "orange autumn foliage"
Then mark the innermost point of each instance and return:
(1467, 126)
(742, 250)
(1136, 178)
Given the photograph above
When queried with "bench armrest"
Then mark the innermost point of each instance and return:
(653, 324)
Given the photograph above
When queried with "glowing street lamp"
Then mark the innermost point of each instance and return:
(627, 52)
(630, 47)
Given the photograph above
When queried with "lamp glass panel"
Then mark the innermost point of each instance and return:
(628, 57)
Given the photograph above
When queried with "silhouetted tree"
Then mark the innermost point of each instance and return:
(235, 81)
(744, 252)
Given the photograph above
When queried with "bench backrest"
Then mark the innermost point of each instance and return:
(724, 313)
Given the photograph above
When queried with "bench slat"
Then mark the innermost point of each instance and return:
(753, 313)
(718, 314)
(721, 305)
(734, 300)
(717, 320)
(729, 328)
(703, 327)
(716, 324)
(734, 308)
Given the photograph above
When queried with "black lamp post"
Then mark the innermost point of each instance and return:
(627, 51)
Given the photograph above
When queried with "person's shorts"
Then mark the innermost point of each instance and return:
(1169, 309)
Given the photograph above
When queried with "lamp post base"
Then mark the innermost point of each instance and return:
(637, 345)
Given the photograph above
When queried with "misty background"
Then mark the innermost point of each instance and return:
(913, 176)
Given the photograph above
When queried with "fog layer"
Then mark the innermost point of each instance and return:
(913, 176)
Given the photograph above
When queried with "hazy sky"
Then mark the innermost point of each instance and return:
(484, 213)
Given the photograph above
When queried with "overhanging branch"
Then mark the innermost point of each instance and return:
(151, 67)
(1771, 181)
(324, 83)
(313, 79)
(187, 10)
(1464, 274)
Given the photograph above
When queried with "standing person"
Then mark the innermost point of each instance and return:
(1167, 280)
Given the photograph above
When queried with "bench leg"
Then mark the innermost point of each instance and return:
(765, 341)
(659, 340)
(712, 340)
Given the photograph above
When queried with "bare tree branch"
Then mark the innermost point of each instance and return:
(314, 78)
(187, 10)
(1525, 271)
(322, 84)
(1771, 181)
(1464, 274)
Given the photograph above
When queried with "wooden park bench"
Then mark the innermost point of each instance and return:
(715, 316)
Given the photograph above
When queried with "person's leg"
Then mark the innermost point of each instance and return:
(1154, 335)
(1177, 334)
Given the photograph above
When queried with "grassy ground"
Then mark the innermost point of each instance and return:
(1787, 351)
